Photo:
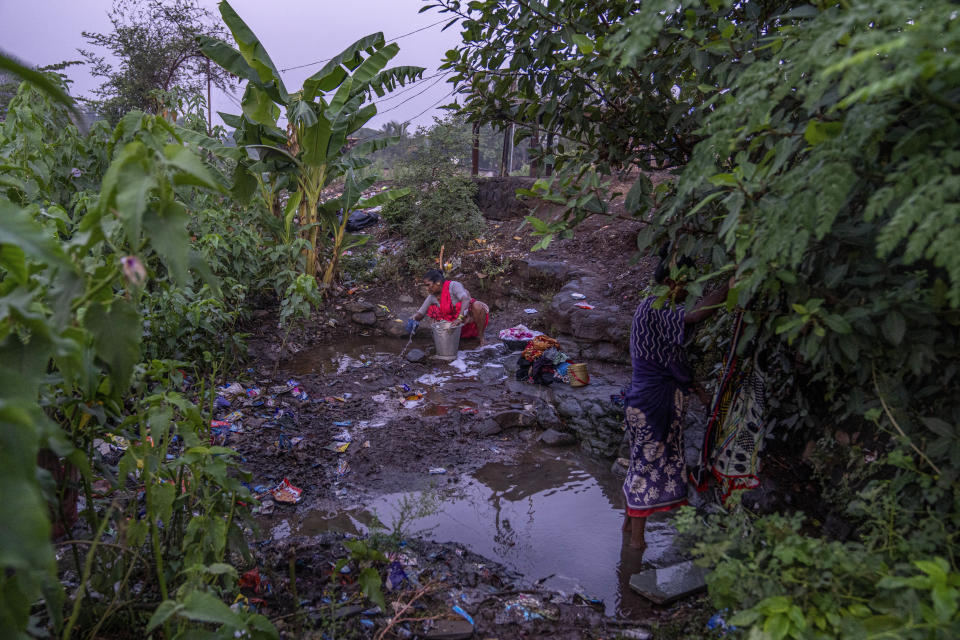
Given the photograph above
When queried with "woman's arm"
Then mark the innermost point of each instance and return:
(708, 305)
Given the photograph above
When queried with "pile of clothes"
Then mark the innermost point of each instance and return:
(542, 362)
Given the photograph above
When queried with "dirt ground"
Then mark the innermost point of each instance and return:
(310, 401)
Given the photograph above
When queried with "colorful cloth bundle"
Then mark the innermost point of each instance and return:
(538, 346)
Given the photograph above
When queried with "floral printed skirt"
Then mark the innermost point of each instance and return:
(655, 478)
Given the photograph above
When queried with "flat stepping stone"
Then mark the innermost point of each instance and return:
(669, 584)
(450, 630)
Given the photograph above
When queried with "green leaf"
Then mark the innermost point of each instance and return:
(584, 44)
(894, 327)
(166, 228)
(203, 607)
(162, 613)
(818, 132)
(41, 82)
(333, 73)
(18, 229)
(259, 106)
(228, 58)
(638, 197)
(369, 581)
(189, 168)
(116, 333)
(253, 52)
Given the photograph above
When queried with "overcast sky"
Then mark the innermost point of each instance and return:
(294, 32)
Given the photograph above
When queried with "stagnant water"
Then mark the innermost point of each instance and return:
(555, 519)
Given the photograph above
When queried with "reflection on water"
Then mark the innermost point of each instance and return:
(351, 352)
(552, 519)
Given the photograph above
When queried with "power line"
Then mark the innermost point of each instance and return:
(310, 64)
(413, 85)
(431, 106)
(416, 95)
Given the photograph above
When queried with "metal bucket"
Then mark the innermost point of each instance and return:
(446, 338)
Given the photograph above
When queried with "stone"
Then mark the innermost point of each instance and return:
(555, 438)
(450, 630)
(669, 584)
(491, 373)
(365, 318)
(393, 328)
(484, 428)
(380, 313)
(569, 407)
(546, 272)
(547, 416)
(514, 418)
(359, 306)
(415, 355)
(497, 197)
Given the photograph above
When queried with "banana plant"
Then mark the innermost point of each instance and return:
(322, 115)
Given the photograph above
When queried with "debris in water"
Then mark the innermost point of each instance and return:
(287, 493)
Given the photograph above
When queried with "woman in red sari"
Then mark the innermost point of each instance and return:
(448, 300)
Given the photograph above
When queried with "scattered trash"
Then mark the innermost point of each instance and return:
(718, 622)
(530, 311)
(396, 576)
(345, 423)
(366, 444)
(338, 447)
(466, 616)
(380, 398)
(343, 468)
(233, 389)
(221, 403)
(287, 493)
(343, 436)
(578, 296)
(584, 305)
(253, 392)
(233, 416)
(437, 471)
(523, 608)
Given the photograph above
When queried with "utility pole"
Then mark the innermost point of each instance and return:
(549, 167)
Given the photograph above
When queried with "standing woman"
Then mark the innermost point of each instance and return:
(655, 402)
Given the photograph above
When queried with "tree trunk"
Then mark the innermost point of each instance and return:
(475, 151)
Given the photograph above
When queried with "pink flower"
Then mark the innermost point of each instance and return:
(133, 270)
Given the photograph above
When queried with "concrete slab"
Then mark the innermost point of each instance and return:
(669, 584)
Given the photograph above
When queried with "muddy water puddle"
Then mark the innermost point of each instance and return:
(350, 353)
(556, 520)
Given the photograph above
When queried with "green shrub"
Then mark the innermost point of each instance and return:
(440, 212)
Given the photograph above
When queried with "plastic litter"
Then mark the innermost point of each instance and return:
(343, 468)
(221, 403)
(343, 436)
(437, 471)
(345, 423)
(396, 576)
(466, 616)
(253, 392)
(584, 305)
(338, 447)
(233, 416)
(233, 389)
(530, 311)
(578, 296)
(286, 493)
